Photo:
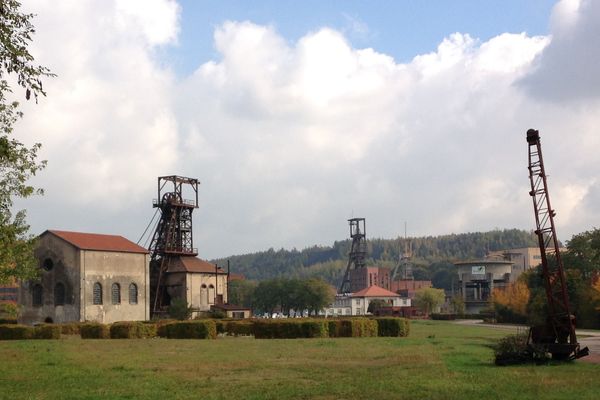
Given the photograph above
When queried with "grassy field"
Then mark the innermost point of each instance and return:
(439, 360)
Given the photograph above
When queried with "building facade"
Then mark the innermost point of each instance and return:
(478, 279)
(362, 278)
(523, 259)
(86, 277)
(200, 283)
(358, 303)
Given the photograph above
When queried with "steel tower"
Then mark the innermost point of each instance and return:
(358, 251)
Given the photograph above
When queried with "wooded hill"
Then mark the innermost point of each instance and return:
(432, 256)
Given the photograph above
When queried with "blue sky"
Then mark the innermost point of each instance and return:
(401, 28)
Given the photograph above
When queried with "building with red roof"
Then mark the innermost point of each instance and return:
(358, 303)
(87, 277)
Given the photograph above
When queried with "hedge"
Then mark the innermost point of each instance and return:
(16, 332)
(132, 330)
(198, 329)
(71, 328)
(397, 327)
(8, 321)
(93, 330)
(46, 331)
(352, 327)
(240, 328)
(291, 329)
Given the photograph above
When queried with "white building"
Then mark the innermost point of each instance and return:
(358, 303)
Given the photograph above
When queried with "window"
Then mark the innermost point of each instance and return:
(203, 294)
(59, 294)
(133, 293)
(37, 295)
(48, 264)
(97, 293)
(116, 293)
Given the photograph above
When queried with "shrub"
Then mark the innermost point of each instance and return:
(397, 327)
(8, 320)
(240, 328)
(352, 327)
(47, 331)
(291, 329)
(179, 309)
(15, 332)
(93, 330)
(513, 349)
(132, 330)
(200, 329)
(72, 328)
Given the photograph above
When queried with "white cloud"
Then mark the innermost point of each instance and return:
(291, 139)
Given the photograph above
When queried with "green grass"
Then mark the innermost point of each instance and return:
(439, 360)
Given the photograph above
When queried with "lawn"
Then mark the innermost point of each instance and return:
(439, 360)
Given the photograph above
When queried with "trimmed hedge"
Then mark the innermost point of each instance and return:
(396, 327)
(15, 332)
(132, 330)
(291, 329)
(8, 321)
(442, 317)
(352, 327)
(94, 330)
(46, 331)
(71, 328)
(240, 328)
(198, 329)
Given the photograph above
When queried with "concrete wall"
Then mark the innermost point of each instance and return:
(199, 293)
(108, 268)
(65, 270)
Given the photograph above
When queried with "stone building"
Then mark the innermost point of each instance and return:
(478, 279)
(87, 277)
(200, 283)
(358, 303)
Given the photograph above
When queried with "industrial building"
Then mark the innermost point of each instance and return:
(86, 277)
(358, 303)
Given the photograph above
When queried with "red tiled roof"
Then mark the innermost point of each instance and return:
(95, 241)
(375, 291)
(192, 264)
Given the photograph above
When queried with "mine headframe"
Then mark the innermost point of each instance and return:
(173, 236)
(358, 251)
(557, 336)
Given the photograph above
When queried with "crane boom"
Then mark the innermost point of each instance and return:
(557, 336)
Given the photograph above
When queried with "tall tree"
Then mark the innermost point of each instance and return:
(17, 161)
(428, 299)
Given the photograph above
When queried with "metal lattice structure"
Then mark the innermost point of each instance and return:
(173, 236)
(558, 335)
(358, 251)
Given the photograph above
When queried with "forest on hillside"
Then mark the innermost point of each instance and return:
(432, 256)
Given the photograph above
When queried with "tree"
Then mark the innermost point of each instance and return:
(376, 304)
(458, 304)
(17, 161)
(241, 292)
(319, 294)
(428, 299)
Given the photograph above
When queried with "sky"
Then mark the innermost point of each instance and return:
(296, 116)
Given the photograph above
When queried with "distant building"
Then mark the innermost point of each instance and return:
(478, 279)
(523, 259)
(408, 288)
(233, 311)
(358, 303)
(86, 277)
(9, 293)
(362, 278)
(200, 283)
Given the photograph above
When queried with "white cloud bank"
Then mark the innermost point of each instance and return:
(291, 139)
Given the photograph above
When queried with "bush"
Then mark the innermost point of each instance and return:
(93, 330)
(200, 329)
(72, 328)
(353, 327)
(132, 330)
(47, 331)
(291, 329)
(180, 310)
(513, 349)
(240, 328)
(397, 327)
(15, 332)
(8, 320)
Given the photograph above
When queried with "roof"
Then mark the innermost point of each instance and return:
(375, 291)
(100, 242)
(192, 264)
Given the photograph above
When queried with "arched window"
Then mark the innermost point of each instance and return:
(116, 293)
(59, 294)
(133, 293)
(203, 294)
(211, 294)
(37, 295)
(97, 300)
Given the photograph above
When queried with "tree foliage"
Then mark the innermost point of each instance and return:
(427, 299)
(292, 294)
(18, 162)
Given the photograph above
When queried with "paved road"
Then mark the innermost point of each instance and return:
(587, 338)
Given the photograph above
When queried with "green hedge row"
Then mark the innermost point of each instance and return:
(197, 329)
(94, 330)
(396, 327)
(19, 332)
(132, 330)
(352, 327)
(235, 327)
(290, 329)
